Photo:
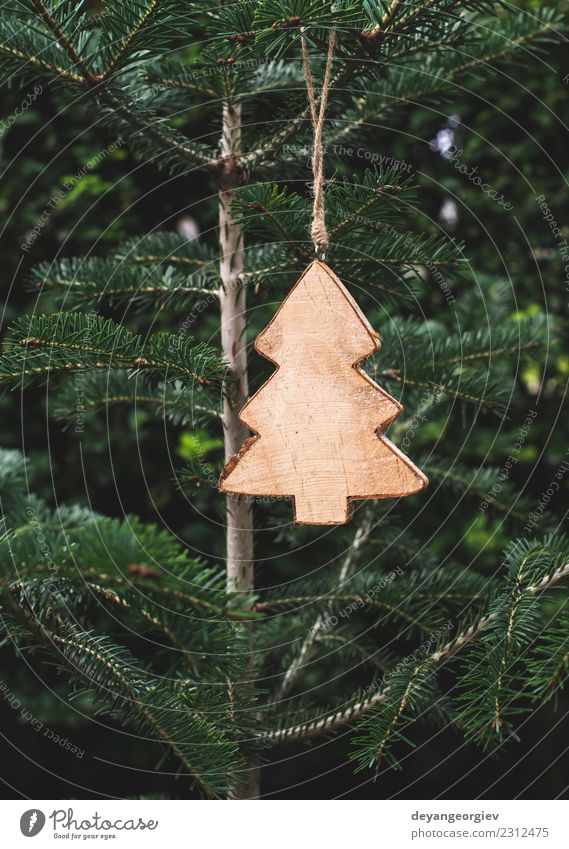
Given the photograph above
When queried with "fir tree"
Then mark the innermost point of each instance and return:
(230, 692)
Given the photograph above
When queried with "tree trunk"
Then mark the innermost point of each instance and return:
(239, 515)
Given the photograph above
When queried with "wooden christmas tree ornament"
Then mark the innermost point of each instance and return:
(319, 420)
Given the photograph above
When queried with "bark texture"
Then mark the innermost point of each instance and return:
(233, 343)
(239, 514)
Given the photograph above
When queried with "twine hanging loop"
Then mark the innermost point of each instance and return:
(318, 231)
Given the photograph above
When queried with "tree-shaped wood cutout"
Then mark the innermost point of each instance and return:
(319, 419)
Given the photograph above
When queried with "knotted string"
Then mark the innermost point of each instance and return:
(318, 230)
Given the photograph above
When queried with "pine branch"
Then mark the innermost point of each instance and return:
(436, 75)
(80, 542)
(65, 43)
(126, 688)
(87, 281)
(484, 379)
(411, 690)
(548, 667)
(151, 136)
(348, 715)
(169, 248)
(147, 12)
(37, 62)
(46, 344)
(437, 36)
(490, 689)
(99, 391)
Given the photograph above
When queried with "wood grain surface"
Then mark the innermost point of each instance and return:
(319, 419)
